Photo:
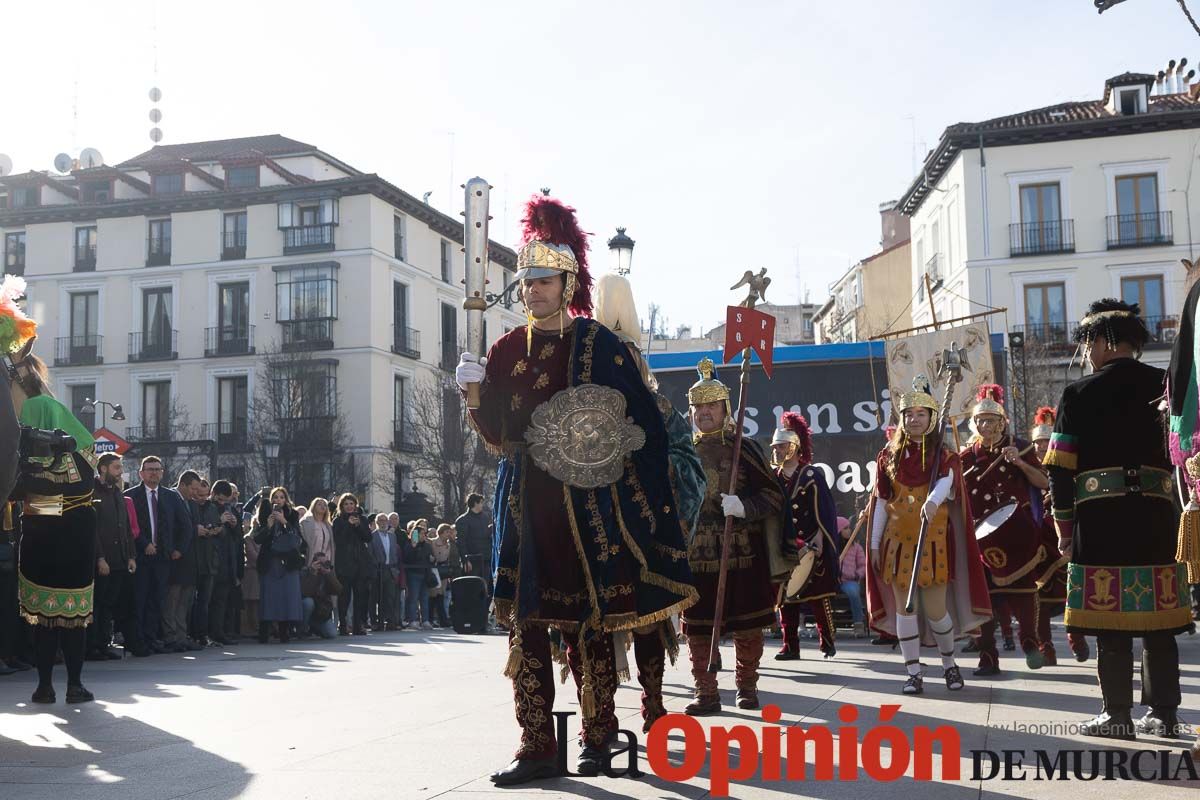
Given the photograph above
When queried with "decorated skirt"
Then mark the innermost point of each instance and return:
(1135, 600)
(56, 568)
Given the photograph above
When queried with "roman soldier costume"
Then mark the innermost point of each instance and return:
(949, 566)
(749, 598)
(1116, 513)
(654, 645)
(1052, 580)
(1002, 503)
(809, 523)
(590, 540)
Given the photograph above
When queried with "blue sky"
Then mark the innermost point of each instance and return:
(723, 136)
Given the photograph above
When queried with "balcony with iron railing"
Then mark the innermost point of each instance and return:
(75, 351)
(154, 345)
(1140, 230)
(1059, 337)
(85, 258)
(406, 341)
(1041, 238)
(308, 238)
(404, 437)
(229, 340)
(231, 436)
(307, 433)
(933, 269)
(233, 245)
(158, 252)
(160, 432)
(307, 334)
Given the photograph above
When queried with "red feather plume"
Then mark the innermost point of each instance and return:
(990, 390)
(1045, 415)
(550, 220)
(798, 425)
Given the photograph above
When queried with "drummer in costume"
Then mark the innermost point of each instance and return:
(587, 561)
(749, 596)
(809, 523)
(952, 593)
(1116, 513)
(1003, 478)
(654, 644)
(56, 563)
(1052, 582)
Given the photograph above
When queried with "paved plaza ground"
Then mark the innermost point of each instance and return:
(424, 715)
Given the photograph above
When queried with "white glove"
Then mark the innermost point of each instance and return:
(930, 508)
(731, 504)
(469, 370)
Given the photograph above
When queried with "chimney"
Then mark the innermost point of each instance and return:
(894, 225)
(1171, 76)
(1159, 88)
(1187, 81)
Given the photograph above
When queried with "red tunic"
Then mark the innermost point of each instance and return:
(1013, 553)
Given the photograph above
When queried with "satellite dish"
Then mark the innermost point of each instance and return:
(62, 162)
(5, 165)
(156, 135)
(155, 94)
(90, 157)
(155, 115)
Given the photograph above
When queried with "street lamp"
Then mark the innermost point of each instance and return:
(271, 451)
(621, 248)
(118, 413)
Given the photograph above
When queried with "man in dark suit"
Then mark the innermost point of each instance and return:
(163, 520)
(385, 591)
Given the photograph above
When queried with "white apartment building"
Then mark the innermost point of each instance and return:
(161, 283)
(1044, 211)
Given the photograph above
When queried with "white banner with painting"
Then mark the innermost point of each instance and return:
(921, 354)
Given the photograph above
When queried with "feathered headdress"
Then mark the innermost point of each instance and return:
(615, 308)
(989, 399)
(1043, 423)
(793, 428)
(552, 224)
(16, 329)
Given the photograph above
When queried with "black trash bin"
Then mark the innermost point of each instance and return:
(469, 604)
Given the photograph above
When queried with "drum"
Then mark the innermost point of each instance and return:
(800, 576)
(1010, 543)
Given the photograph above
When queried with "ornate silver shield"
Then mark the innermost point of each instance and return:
(581, 436)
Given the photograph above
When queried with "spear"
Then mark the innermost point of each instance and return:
(952, 366)
(758, 285)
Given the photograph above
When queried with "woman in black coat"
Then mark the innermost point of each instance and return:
(280, 557)
(352, 548)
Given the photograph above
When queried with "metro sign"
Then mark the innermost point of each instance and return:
(109, 442)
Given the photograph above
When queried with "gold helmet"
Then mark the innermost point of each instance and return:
(708, 389)
(989, 399)
(921, 396)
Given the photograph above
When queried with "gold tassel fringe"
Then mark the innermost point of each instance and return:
(515, 655)
(1189, 541)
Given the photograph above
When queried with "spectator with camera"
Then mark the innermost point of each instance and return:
(116, 562)
(447, 565)
(181, 583)
(226, 546)
(162, 518)
(418, 564)
(280, 560)
(208, 531)
(317, 531)
(354, 565)
(318, 586)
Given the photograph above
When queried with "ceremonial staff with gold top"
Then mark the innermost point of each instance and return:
(475, 249)
(758, 286)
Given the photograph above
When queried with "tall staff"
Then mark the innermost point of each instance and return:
(475, 248)
(734, 333)
(952, 366)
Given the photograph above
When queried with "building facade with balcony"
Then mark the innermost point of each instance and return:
(1044, 211)
(171, 282)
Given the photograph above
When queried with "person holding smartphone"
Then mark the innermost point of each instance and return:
(280, 559)
(352, 543)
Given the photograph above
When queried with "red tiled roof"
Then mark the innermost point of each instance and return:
(34, 178)
(219, 149)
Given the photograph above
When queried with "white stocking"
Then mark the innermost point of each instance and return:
(943, 634)
(910, 642)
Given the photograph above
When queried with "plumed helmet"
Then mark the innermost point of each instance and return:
(794, 430)
(989, 399)
(1043, 424)
(552, 243)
